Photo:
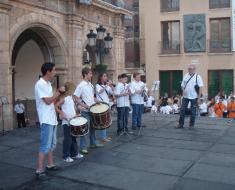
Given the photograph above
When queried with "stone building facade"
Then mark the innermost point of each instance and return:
(35, 31)
(176, 33)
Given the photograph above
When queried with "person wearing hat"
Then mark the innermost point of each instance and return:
(66, 109)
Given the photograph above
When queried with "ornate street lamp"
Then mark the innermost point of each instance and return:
(100, 32)
(108, 40)
(91, 38)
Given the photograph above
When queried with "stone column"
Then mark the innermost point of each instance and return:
(74, 47)
(5, 66)
(119, 50)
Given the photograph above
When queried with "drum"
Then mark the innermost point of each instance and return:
(78, 126)
(100, 115)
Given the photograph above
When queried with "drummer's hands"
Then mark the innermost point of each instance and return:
(62, 115)
(81, 108)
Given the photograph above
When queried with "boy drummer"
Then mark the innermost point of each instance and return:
(85, 94)
(67, 110)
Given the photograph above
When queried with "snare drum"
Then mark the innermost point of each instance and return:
(78, 126)
(100, 115)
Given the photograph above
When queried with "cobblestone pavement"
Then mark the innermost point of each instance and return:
(160, 158)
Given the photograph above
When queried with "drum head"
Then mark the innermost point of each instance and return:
(77, 121)
(99, 108)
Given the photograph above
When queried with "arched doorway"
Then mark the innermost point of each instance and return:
(32, 48)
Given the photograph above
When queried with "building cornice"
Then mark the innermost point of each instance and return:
(5, 6)
(112, 8)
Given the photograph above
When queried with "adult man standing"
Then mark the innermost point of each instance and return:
(191, 87)
(47, 117)
(20, 109)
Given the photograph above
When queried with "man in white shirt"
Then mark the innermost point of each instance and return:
(122, 93)
(86, 96)
(191, 87)
(20, 109)
(47, 117)
(137, 100)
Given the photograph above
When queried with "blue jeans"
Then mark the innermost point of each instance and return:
(137, 114)
(47, 138)
(183, 109)
(87, 115)
(70, 147)
(122, 118)
(103, 133)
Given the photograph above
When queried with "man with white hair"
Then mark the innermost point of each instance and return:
(191, 89)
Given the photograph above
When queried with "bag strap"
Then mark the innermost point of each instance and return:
(188, 81)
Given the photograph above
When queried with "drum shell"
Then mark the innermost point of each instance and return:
(79, 130)
(101, 121)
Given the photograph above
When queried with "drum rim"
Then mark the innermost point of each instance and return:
(99, 103)
(77, 117)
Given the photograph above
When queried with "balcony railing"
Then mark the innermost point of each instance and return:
(220, 46)
(170, 47)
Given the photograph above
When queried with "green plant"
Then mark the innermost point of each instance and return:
(100, 68)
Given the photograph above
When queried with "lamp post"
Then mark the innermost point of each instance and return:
(100, 44)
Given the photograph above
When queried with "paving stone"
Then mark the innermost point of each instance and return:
(192, 184)
(160, 152)
(219, 159)
(120, 178)
(13, 176)
(223, 148)
(212, 173)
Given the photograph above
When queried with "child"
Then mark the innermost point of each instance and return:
(67, 110)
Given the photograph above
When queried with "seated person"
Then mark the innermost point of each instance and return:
(203, 109)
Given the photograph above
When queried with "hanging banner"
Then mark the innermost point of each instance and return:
(233, 25)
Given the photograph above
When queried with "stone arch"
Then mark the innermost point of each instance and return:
(49, 38)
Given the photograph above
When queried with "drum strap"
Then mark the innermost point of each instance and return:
(75, 105)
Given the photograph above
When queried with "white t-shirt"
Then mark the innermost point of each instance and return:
(104, 96)
(189, 90)
(46, 113)
(122, 101)
(85, 91)
(149, 103)
(19, 108)
(203, 107)
(68, 109)
(137, 98)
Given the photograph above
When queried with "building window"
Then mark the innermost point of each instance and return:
(170, 43)
(170, 82)
(219, 4)
(220, 40)
(169, 5)
(220, 80)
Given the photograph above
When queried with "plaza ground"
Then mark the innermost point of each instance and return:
(161, 158)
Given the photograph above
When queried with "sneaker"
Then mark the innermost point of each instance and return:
(41, 175)
(52, 168)
(84, 151)
(78, 156)
(68, 160)
(97, 145)
(191, 127)
(106, 140)
(179, 127)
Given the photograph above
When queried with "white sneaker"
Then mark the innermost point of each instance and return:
(68, 159)
(78, 156)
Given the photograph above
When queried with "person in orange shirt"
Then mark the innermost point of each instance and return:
(219, 108)
(231, 108)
